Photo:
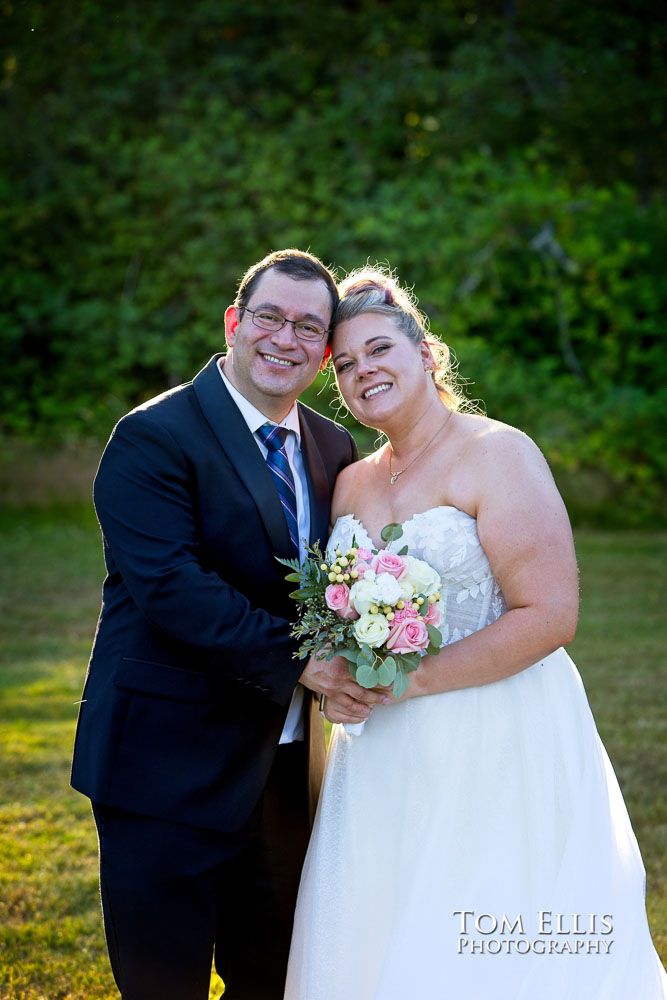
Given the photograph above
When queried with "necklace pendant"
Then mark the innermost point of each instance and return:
(394, 477)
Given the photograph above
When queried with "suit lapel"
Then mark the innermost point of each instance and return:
(318, 484)
(227, 423)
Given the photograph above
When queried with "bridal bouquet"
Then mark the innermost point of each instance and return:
(378, 609)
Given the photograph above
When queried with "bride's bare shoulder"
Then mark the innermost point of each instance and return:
(498, 448)
(352, 482)
(476, 431)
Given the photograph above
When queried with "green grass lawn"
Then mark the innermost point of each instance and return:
(51, 941)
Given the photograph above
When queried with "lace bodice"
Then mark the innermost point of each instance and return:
(446, 538)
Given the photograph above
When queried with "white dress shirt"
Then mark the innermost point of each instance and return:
(293, 729)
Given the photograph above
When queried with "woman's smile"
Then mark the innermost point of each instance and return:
(375, 390)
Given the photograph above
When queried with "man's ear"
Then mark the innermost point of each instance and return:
(327, 355)
(231, 324)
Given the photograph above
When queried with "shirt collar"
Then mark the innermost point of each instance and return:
(253, 417)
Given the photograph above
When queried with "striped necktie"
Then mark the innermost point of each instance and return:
(273, 438)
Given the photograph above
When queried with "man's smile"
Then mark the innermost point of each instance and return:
(278, 361)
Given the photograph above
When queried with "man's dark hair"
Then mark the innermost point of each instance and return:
(297, 264)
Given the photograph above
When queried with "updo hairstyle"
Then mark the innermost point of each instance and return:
(375, 290)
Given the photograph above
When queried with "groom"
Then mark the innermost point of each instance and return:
(200, 752)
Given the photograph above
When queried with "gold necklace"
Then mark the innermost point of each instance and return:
(393, 476)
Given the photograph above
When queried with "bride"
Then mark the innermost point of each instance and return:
(472, 842)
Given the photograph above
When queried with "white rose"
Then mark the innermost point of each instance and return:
(424, 579)
(364, 594)
(388, 588)
(407, 588)
(371, 629)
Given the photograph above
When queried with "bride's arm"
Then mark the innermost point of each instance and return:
(524, 529)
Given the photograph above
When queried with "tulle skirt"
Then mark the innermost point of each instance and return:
(475, 844)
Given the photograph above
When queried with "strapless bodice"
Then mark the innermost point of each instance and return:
(447, 539)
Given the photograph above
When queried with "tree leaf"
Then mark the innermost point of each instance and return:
(293, 577)
(391, 532)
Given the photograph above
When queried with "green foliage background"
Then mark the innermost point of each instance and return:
(507, 158)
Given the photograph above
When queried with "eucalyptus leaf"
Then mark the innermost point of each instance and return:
(350, 654)
(391, 532)
(403, 551)
(400, 685)
(435, 635)
(366, 655)
(387, 671)
(407, 662)
(367, 677)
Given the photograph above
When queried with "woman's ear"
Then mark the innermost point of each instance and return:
(428, 360)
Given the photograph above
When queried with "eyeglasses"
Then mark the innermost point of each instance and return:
(303, 329)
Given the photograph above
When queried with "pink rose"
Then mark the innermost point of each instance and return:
(408, 635)
(389, 562)
(364, 554)
(361, 568)
(337, 596)
(433, 615)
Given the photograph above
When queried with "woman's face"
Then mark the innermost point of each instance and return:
(379, 371)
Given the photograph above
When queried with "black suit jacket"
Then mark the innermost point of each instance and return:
(192, 667)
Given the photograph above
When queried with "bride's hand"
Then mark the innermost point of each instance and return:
(345, 699)
(337, 710)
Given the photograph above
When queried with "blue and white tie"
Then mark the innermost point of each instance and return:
(273, 438)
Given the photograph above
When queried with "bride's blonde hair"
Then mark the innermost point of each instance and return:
(375, 290)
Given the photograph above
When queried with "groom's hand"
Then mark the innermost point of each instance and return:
(346, 700)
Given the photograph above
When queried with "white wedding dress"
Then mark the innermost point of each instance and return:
(497, 800)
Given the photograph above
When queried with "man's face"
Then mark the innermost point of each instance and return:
(271, 369)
